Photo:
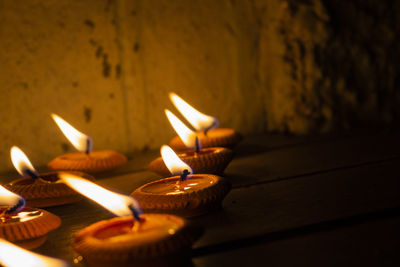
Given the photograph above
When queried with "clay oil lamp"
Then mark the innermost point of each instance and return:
(185, 194)
(211, 160)
(133, 238)
(86, 159)
(23, 226)
(15, 256)
(206, 127)
(40, 190)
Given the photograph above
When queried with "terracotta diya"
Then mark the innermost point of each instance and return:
(206, 127)
(211, 160)
(40, 190)
(26, 227)
(133, 238)
(185, 194)
(87, 159)
(15, 256)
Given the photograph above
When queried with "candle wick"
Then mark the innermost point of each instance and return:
(31, 173)
(197, 145)
(184, 175)
(88, 145)
(17, 207)
(137, 220)
(135, 213)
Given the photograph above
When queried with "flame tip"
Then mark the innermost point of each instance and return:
(172, 95)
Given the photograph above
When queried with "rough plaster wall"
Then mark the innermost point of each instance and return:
(206, 54)
(329, 64)
(58, 56)
(106, 66)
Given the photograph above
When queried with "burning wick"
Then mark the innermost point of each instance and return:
(22, 163)
(135, 213)
(198, 147)
(17, 207)
(136, 218)
(80, 141)
(89, 145)
(9, 198)
(175, 165)
(184, 175)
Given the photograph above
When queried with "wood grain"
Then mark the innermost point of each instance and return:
(373, 243)
(278, 192)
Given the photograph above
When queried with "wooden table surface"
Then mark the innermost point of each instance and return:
(307, 201)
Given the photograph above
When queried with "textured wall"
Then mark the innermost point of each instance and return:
(329, 64)
(266, 65)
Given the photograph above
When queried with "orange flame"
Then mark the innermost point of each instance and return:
(80, 141)
(118, 204)
(174, 164)
(22, 163)
(188, 136)
(198, 120)
(14, 256)
(8, 198)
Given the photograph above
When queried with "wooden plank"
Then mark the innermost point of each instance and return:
(295, 159)
(265, 200)
(312, 158)
(269, 157)
(259, 210)
(374, 243)
(272, 207)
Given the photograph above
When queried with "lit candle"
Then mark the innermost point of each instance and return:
(27, 227)
(14, 256)
(185, 194)
(206, 127)
(40, 190)
(86, 159)
(133, 237)
(212, 160)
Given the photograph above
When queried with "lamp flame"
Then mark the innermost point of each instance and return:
(188, 136)
(118, 204)
(22, 163)
(174, 164)
(8, 198)
(80, 141)
(14, 256)
(198, 120)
